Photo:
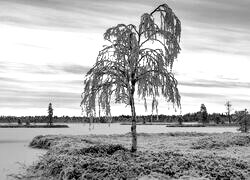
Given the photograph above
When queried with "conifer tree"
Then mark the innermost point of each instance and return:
(243, 119)
(204, 115)
(50, 114)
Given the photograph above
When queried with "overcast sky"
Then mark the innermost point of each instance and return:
(46, 47)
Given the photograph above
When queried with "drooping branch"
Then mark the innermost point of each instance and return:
(167, 34)
(107, 77)
(158, 82)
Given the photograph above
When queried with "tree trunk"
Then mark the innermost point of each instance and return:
(50, 120)
(229, 117)
(157, 115)
(133, 126)
(245, 128)
(99, 109)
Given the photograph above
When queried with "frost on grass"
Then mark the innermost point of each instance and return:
(222, 141)
(121, 164)
(80, 157)
(45, 142)
(174, 134)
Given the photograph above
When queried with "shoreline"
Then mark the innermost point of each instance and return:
(183, 125)
(35, 126)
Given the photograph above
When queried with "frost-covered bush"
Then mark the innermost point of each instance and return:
(90, 157)
(221, 141)
(111, 161)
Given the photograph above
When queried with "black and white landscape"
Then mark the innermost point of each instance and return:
(118, 89)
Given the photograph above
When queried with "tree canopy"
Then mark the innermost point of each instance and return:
(130, 59)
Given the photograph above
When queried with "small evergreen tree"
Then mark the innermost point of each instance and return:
(217, 119)
(27, 121)
(19, 121)
(180, 119)
(50, 116)
(229, 108)
(244, 120)
(204, 115)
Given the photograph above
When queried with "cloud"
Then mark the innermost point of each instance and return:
(6, 79)
(33, 46)
(202, 95)
(214, 13)
(44, 69)
(28, 85)
(90, 13)
(75, 14)
(70, 68)
(217, 26)
(26, 98)
(215, 84)
(216, 39)
(208, 25)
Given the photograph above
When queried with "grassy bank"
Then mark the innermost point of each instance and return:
(195, 124)
(186, 125)
(162, 156)
(202, 125)
(148, 123)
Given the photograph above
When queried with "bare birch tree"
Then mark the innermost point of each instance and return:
(129, 62)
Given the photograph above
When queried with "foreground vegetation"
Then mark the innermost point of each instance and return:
(162, 156)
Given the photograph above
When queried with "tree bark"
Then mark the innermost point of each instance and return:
(133, 126)
(157, 115)
(245, 121)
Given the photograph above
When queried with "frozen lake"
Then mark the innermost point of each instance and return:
(14, 141)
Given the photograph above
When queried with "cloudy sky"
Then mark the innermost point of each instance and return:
(46, 47)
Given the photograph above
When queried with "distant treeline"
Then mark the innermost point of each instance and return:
(190, 117)
(41, 119)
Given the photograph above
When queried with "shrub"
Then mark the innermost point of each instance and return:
(218, 141)
(116, 162)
